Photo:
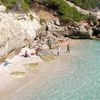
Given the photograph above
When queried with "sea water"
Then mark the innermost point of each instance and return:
(76, 78)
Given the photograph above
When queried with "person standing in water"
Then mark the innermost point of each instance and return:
(58, 50)
(68, 48)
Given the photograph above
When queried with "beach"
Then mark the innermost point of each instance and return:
(10, 84)
(53, 80)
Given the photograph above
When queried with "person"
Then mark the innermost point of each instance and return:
(68, 48)
(58, 50)
(26, 54)
(49, 43)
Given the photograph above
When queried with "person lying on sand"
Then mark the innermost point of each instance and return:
(26, 54)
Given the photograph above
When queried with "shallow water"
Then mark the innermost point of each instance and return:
(75, 77)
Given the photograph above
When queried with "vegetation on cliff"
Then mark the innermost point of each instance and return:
(86, 4)
(22, 4)
(65, 12)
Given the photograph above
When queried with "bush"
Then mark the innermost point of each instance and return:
(65, 12)
(87, 4)
(25, 6)
(8, 3)
(53, 3)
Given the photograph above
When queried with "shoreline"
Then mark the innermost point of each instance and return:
(11, 84)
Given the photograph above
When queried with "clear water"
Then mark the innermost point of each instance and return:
(78, 78)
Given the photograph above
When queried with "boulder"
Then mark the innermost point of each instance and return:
(98, 35)
(84, 35)
(78, 32)
(96, 31)
(57, 22)
(2, 8)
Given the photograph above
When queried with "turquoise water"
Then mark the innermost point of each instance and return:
(78, 78)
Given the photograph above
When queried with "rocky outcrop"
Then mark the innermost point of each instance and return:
(96, 31)
(46, 55)
(16, 31)
(2, 8)
(78, 32)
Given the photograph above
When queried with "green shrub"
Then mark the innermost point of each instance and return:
(53, 3)
(87, 4)
(24, 6)
(9, 3)
(65, 12)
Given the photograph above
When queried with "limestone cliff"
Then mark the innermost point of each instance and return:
(16, 30)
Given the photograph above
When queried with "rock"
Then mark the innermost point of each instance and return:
(90, 32)
(84, 35)
(96, 31)
(65, 32)
(11, 37)
(53, 26)
(57, 34)
(78, 32)
(2, 8)
(51, 42)
(46, 55)
(82, 29)
(57, 22)
(98, 35)
(16, 33)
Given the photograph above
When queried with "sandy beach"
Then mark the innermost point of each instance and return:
(36, 77)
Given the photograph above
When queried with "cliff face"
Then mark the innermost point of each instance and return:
(16, 31)
(19, 29)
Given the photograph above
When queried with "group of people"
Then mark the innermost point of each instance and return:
(67, 49)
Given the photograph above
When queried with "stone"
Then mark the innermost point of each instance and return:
(46, 55)
(82, 29)
(57, 22)
(96, 30)
(2, 8)
(78, 32)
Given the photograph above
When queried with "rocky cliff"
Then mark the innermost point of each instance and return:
(16, 30)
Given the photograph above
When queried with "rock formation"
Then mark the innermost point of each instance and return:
(16, 31)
